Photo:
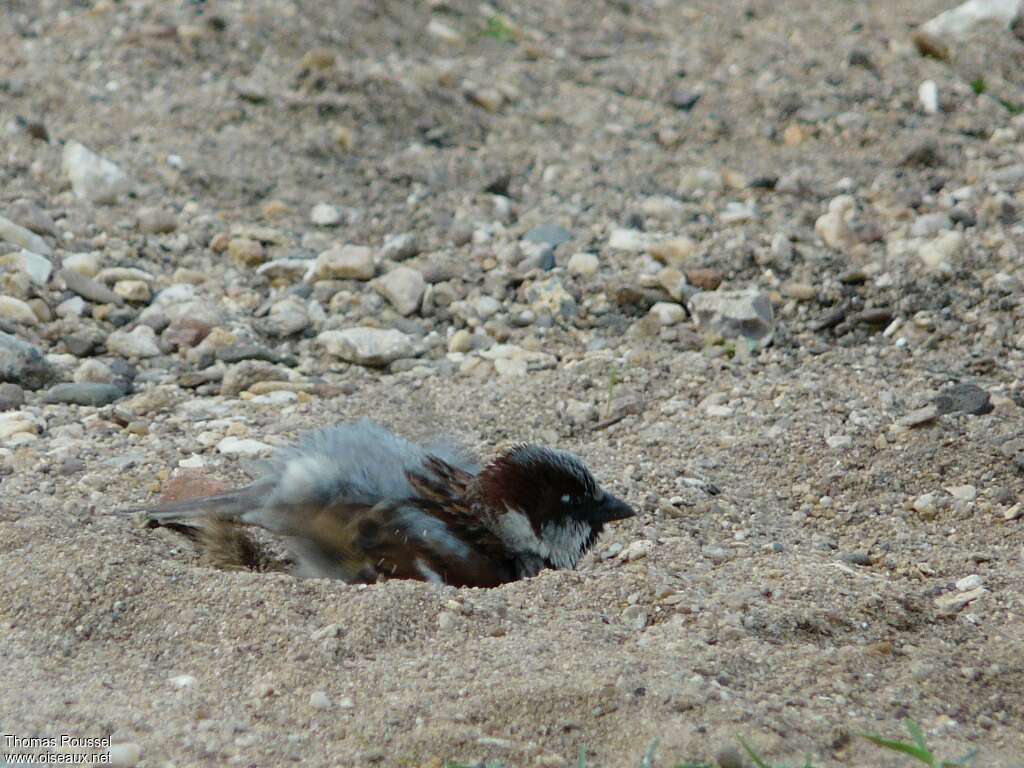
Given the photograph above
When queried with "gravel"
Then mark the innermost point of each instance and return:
(774, 300)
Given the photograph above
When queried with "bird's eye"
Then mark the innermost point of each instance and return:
(567, 499)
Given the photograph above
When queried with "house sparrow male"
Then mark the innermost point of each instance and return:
(357, 502)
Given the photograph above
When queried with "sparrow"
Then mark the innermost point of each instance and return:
(359, 503)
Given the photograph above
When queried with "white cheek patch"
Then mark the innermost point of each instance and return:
(565, 542)
(427, 572)
(515, 530)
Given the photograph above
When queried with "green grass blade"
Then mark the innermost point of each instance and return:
(966, 760)
(917, 734)
(581, 758)
(753, 755)
(913, 750)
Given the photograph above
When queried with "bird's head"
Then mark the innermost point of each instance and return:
(546, 503)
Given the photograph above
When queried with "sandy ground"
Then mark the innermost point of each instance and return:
(792, 578)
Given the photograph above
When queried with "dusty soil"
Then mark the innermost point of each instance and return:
(786, 581)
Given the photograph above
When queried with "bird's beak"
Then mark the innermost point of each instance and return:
(612, 508)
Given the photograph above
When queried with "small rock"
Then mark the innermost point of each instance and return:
(85, 264)
(930, 225)
(94, 178)
(135, 291)
(124, 755)
(964, 398)
(12, 397)
(928, 95)
(930, 45)
(320, 700)
(38, 268)
(962, 492)
(155, 220)
(717, 555)
(238, 446)
(242, 375)
(921, 416)
(959, 21)
(629, 240)
(347, 262)
(91, 394)
(22, 237)
(183, 681)
(668, 313)
(287, 317)
(637, 550)
(93, 372)
(837, 442)
(367, 346)
(246, 252)
(705, 278)
(939, 254)
(17, 311)
(549, 234)
(954, 602)
(583, 264)
(446, 621)
(400, 247)
(461, 341)
(798, 291)
(967, 583)
(138, 343)
(675, 252)
(833, 226)
(736, 314)
(23, 364)
(635, 616)
(88, 289)
(325, 215)
(403, 287)
(924, 505)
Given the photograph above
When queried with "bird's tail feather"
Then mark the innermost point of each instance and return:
(230, 505)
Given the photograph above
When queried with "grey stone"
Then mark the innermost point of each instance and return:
(154, 220)
(84, 393)
(23, 364)
(12, 397)
(403, 287)
(24, 238)
(367, 346)
(94, 178)
(88, 289)
(400, 247)
(551, 234)
(736, 314)
(964, 398)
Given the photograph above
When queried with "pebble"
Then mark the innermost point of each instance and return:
(246, 252)
(92, 394)
(637, 550)
(940, 253)
(461, 341)
(23, 364)
(583, 264)
(921, 416)
(135, 291)
(156, 220)
(952, 603)
(403, 287)
(124, 754)
(967, 583)
(668, 313)
(675, 252)
(17, 311)
(549, 234)
(736, 314)
(38, 268)
(12, 397)
(930, 225)
(367, 346)
(346, 262)
(243, 446)
(837, 442)
(959, 21)
(138, 343)
(446, 620)
(833, 227)
(183, 681)
(629, 240)
(326, 215)
(400, 247)
(962, 492)
(928, 95)
(93, 178)
(87, 288)
(964, 398)
(22, 237)
(86, 264)
(635, 616)
(242, 375)
(925, 505)
(320, 700)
